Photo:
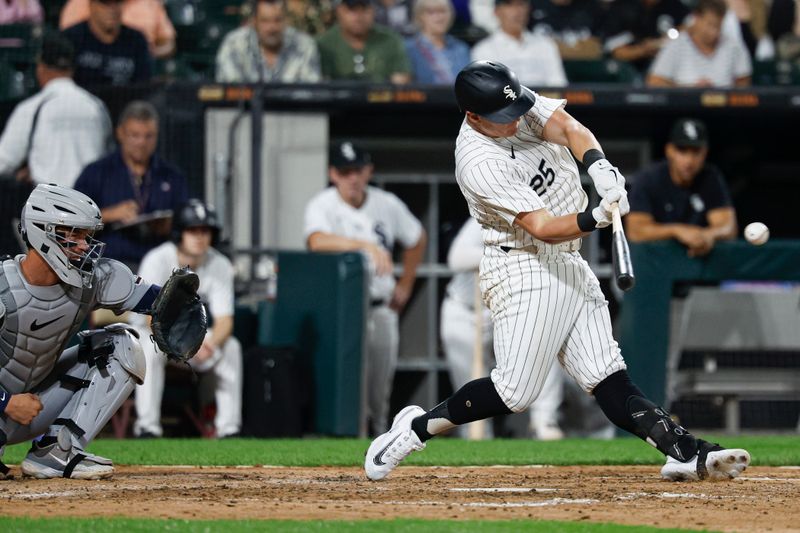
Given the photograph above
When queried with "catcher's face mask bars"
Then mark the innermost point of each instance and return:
(80, 247)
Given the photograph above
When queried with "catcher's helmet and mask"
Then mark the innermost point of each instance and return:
(491, 90)
(192, 214)
(49, 221)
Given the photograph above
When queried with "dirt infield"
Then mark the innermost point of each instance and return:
(764, 499)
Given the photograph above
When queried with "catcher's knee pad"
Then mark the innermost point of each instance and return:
(118, 341)
(128, 351)
(116, 364)
(654, 425)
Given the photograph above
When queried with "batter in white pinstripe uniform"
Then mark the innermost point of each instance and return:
(514, 166)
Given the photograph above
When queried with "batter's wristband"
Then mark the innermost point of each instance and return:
(5, 396)
(592, 156)
(586, 222)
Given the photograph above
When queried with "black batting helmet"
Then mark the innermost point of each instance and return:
(192, 214)
(492, 90)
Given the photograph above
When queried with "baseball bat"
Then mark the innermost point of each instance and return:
(477, 429)
(620, 253)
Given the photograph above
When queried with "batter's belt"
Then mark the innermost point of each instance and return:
(544, 248)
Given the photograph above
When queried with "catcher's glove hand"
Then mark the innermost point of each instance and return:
(179, 318)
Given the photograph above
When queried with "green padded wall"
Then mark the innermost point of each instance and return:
(644, 319)
(320, 310)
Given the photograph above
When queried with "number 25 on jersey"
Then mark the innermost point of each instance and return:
(541, 181)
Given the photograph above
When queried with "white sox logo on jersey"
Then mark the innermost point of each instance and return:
(380, 231)
(509, 92)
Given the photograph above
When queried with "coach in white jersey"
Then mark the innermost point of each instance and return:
(515, 169)
(353, 216)
(195, 230)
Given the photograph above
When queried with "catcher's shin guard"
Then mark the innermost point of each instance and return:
(116, 364)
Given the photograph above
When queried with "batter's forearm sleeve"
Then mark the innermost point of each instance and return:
(592, 156)
(586, 222)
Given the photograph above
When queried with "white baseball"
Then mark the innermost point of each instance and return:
(756, 233)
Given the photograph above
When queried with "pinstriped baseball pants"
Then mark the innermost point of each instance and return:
(546, 306)
(380, 363)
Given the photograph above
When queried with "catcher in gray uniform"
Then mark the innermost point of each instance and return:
(65, 397)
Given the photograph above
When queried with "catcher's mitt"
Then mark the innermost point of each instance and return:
(179, 318)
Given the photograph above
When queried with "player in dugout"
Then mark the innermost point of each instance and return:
(682, 197)
(355, 216)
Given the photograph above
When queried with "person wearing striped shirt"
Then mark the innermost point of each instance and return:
(703, 55)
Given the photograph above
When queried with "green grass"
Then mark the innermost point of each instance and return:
(765, 450)
(14, 525)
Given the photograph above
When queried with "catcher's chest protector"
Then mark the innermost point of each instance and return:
(38, 323)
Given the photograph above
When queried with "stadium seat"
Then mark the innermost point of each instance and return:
(183, 12)
(600, 71)
(203, 64)
(470, 34)
(21, 33)
(52, 11)
(19, 43)
(178, 69)
(227, 12)
(201, 37)
(775, 73)
(200, 28)
(192, 12)
(14, 83)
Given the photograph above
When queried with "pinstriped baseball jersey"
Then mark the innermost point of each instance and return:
(546, 304)
(506, 176)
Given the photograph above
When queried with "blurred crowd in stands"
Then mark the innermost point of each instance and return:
(720, 43)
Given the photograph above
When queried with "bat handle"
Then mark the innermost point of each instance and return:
(621, 256)
(616, 219)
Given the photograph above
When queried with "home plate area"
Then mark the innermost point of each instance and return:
(763, 499)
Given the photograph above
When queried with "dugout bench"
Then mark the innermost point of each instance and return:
(740, 345)
(644, 321)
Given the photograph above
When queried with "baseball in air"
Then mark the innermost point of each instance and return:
(756, 233)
